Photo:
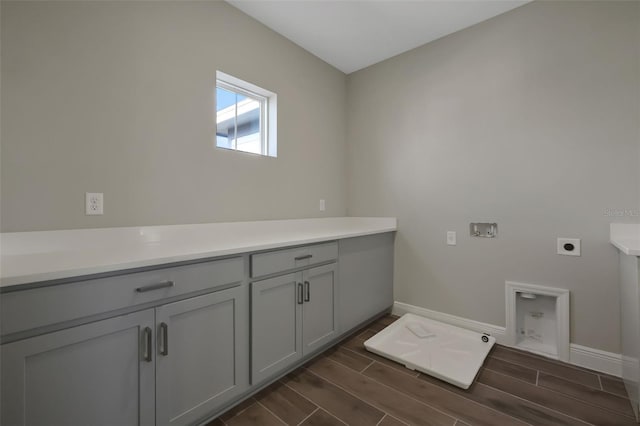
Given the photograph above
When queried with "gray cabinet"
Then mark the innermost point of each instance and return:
(319, 311)
(366, 278)
(292, 316)
(74, 354)
(202, 359)
(630, 326)
(171, 365)
(29, 309)
(101, 373)
(276, 325)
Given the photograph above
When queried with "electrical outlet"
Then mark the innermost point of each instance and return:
(322, 205)
(451, 238)
(568, 246)
(94, 203)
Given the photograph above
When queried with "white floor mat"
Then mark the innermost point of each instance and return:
(441, 350)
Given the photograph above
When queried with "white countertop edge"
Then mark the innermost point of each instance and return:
(626, 237)
(625, 248)
(9, 281)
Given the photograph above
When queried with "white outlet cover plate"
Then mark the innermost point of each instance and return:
(565, 252)
(94, 203)
(451, 238)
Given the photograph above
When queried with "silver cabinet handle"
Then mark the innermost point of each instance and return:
(152, 287)
(307, 294)
(300, 301)
(164, 332)
(146, 333)
(307, 256)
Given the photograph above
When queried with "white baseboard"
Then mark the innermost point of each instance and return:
(594, 359)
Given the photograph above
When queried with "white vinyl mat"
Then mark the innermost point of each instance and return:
(444, 351)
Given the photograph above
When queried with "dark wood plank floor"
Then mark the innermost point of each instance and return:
(348, 385)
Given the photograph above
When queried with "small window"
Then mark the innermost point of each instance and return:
(245, 116)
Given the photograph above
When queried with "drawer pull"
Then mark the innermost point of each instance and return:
(164, 332)
(152, 287)
(306, 256)
(147, 344)
(307, 294)
(300, 300)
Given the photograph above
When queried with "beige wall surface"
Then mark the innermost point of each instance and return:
(118, 97)
(530, 120)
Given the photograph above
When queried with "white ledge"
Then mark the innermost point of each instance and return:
(29, 257)
(626, 237)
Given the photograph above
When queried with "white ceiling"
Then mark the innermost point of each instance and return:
(353, 34)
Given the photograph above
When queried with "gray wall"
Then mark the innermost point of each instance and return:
(529, 119)
(118, 97)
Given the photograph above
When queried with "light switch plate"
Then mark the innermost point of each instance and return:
(451, 238)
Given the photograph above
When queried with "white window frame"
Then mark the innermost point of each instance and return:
(268, 111)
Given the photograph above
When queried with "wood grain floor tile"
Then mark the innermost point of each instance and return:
(382, 323)
(510, 369)
(367, 334)
(376, 325)
(554, 400)
(454, 405)
(349, 385)
(336, 401)
(511, 405)
(587, 394)
(285, 403)
(255, 414)
(322, 418)
(391, 421)
(387, 320)
(375, 328)
(215, 422)
(613, 385)
(238, 409)
(349, 359)
(357, 346)
(548, 366)
(383, 397)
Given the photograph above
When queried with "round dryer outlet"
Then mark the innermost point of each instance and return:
(569, 246)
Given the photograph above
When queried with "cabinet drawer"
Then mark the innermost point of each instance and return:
(29, 309)
(283, 260)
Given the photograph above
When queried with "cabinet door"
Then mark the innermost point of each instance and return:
(96, 374)
(319, 312)
(365, 273)
(202, 359)
(276, 333)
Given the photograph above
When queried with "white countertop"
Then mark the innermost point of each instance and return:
(28, 257)
(626, 237)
